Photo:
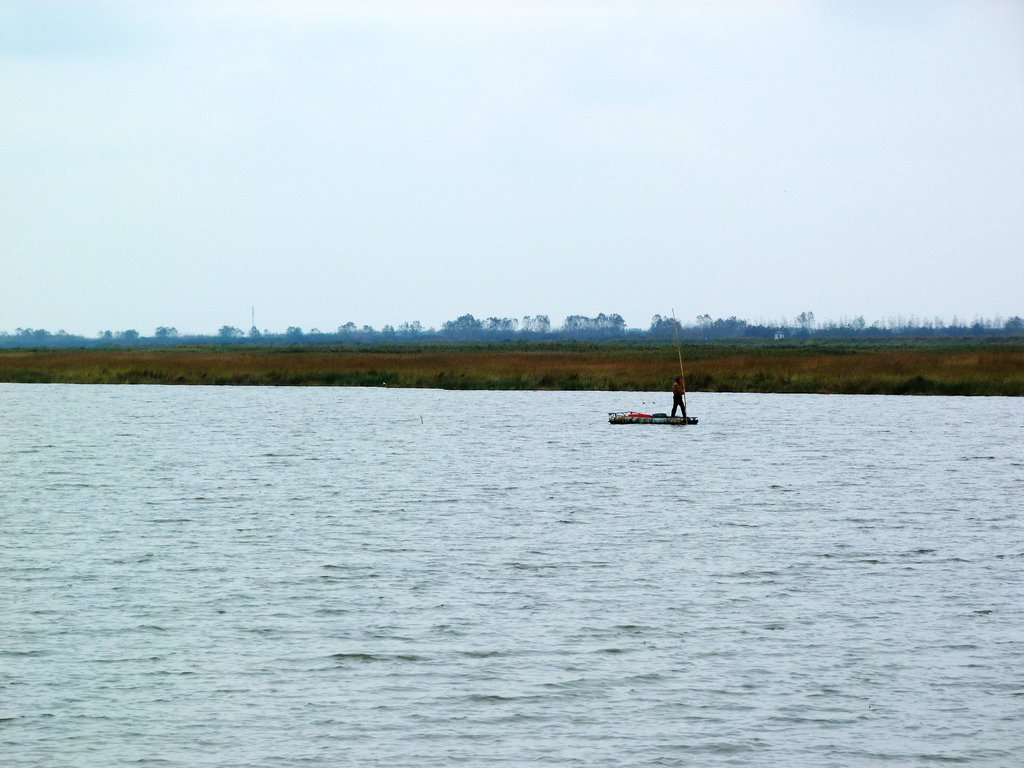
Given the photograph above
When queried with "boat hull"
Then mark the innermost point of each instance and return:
(631, 418)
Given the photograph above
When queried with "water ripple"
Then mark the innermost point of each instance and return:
(222, 577)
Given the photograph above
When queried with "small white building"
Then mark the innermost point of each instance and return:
(780, 335)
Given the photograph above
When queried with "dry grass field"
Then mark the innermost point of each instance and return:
(984, 370)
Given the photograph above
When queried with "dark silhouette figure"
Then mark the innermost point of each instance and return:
(677, 397)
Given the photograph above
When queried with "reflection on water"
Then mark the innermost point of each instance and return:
(283, 577)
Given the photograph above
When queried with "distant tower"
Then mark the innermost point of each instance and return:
(252, 327)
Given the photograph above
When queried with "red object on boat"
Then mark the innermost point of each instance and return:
(640, 415)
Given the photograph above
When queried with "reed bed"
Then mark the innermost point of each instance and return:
(981, 371)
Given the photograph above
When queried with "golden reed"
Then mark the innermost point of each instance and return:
(979, 371)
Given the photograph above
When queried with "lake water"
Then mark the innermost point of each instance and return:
(194, 576)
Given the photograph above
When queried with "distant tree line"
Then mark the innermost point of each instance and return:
(468, 328)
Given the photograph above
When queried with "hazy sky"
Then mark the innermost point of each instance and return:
(174, 163)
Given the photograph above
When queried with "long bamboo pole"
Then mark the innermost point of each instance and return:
(679, 352)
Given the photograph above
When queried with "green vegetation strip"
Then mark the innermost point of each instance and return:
(841, 368)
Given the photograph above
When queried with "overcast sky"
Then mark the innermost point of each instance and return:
(175, 163)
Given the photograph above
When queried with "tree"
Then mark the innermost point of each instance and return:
(575, 324)
(729, 328)
(612, 324)
(164, 332)
(662, 327)
(130, 335)
(410, 329)
(1014, 324)
(465, 326)
(229, 332)
(602, 326)
(293, 332)
(35, 335)
(537, 324)
(501, 325)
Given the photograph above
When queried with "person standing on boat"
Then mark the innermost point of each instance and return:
(677, 397)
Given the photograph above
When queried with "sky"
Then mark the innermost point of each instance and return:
(179, 163)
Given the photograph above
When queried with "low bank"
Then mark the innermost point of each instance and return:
(839, 369)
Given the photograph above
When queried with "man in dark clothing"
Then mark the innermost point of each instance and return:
(677, 397)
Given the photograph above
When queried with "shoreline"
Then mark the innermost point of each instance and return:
(974, 370)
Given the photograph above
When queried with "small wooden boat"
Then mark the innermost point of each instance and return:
(678, 389)
(631, 417)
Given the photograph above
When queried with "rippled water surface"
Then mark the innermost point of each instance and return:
(316, 577)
